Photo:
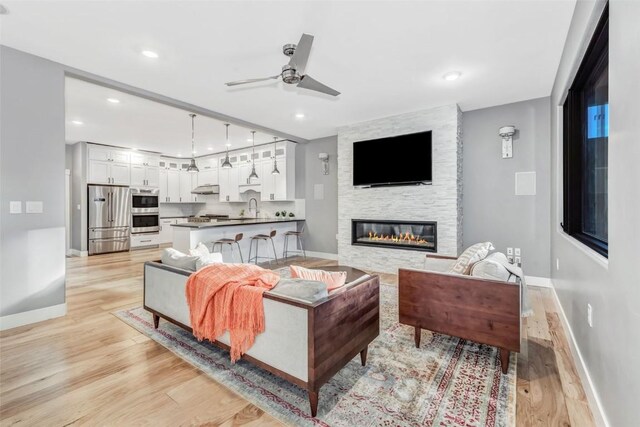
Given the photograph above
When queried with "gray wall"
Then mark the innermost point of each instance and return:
(79, 197)
(321, 214)
(32, 167)
(492, 211)
(610, 349)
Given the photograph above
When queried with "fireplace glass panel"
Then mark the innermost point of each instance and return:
(416, 235)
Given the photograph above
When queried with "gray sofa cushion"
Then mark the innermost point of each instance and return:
(307, 290)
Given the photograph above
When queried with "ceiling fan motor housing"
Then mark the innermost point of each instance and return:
(290, 75)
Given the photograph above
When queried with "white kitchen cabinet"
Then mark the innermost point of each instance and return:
(106, 172)
(108, 154)
(208, 174)
(166, 230)
(228, 181)
(188, 181)
(173, 186)
(163, 185)
(281, 186)
(144, 159)
(144, 176)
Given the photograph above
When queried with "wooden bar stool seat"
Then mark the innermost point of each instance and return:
(262, 238)
(230, 242)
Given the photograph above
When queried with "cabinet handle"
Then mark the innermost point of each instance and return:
(145, 241)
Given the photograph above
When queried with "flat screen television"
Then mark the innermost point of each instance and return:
(396, 160)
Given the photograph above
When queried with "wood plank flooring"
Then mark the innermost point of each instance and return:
(89, 368)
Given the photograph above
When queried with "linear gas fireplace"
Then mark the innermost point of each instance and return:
(415, 235)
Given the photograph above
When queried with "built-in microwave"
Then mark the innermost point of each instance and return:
(144, 200)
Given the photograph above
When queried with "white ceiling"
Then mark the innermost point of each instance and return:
(136, 122)
(386, 57)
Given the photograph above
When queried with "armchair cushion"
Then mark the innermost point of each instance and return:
(470, 256)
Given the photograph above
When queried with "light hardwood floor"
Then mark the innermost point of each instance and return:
(89, 368)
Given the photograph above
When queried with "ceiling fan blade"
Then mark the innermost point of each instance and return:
(241, 82)
(311, 84)
(301, 55)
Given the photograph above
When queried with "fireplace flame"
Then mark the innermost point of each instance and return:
(401, 238)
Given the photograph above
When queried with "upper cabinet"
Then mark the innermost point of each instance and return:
(108, 165)
(109, 154)
(280, 186)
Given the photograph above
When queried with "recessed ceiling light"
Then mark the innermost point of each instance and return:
(150, 54)
(77, 122)
(179, 155)
(300, 116)
(228, 144)
(249, 139)
(134, 149)
(452, 75)
(210, 148)
(113, 100)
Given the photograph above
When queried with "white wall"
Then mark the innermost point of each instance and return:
(492, 211)
(610, 349)
(32, 167)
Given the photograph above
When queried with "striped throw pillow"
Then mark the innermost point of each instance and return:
(470, 256)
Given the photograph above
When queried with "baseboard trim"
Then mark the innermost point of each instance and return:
(593, 399)
(75, 252)
(542, 282)
(324, 255)
(32, 316)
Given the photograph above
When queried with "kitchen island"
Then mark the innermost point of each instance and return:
(188, 235)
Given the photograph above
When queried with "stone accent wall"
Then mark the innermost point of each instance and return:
(441, 201)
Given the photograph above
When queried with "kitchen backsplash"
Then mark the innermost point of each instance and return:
(233, 209)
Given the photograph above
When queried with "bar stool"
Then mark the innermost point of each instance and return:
(298, 236)
(229, 242)
(262, 237)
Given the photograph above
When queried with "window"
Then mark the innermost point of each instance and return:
(586, 141)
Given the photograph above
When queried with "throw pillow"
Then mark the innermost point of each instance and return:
(174, 258)
(470, 256)
(208, 259)
(308, 290)
(333, 279)
(199, 250)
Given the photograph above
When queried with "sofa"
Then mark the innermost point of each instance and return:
(479, 309)
(304, 342)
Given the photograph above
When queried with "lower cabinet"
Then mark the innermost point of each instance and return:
(166, 230)
(142, 240)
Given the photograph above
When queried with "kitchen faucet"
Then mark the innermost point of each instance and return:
(253, 199)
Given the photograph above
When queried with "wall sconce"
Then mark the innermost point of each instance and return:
(324, 158)
(507, 132)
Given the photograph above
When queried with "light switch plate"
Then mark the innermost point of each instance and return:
(517, 251)
(33, 207)
(509, 251)
(15, 207)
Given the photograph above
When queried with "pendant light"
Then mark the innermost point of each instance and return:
(192, 165)
(253, 175)
(275, 170)
(227, 164)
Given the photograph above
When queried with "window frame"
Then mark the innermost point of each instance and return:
(573, 135)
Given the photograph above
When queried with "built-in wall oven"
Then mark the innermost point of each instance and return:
(145, 217)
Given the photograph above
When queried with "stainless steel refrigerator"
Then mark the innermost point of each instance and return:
(109, 219)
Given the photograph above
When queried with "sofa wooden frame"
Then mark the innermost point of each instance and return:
(339, 327)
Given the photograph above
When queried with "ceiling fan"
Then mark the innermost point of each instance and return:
(293, 72)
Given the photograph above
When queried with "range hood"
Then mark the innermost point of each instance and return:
(206, 189)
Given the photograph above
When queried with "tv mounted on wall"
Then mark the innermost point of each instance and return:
(396, 160)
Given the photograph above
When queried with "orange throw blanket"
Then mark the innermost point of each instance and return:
(228, 297)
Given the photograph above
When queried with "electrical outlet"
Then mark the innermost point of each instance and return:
(590, 315)
(517, 251)
(509, 251)
(518, 260)
(558, 264)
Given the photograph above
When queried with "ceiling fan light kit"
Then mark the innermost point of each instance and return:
(293, 72)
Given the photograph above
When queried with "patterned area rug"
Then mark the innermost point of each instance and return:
(447, 382)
